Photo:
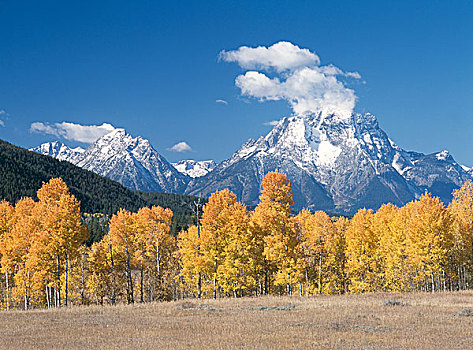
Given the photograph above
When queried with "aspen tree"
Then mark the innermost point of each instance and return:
(194, 266)
(6, 224)
(271, 221)
(238, 268)
(122, 235)
(362, 254)
(461, 209)
(392, 248)
(154, 243)
(214, 234)
(17, 248)
(428, 241)
(317, 234)
(62, 223)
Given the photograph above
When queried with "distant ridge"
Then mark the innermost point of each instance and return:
(132, 161)
(22, 173)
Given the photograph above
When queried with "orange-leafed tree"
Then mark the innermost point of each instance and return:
(154, 248)
(7, 212)
(122, 234)
(271, 222)
(63, 229)
(194, 266)
(226, 243)
(214, 234)
(238, 270)
(16, 253)
(461, 209)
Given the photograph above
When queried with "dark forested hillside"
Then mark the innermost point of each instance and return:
(22, 173)
(184, 207)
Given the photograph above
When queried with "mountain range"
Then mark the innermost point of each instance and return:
(335, 163)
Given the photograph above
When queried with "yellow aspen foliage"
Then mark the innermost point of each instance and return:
(122, 234)
(215, 233)
(194, 266)
(63, 229)
(272, 224)
(6, 224)
(387, 226)
(461, 209)
(321, 253)
(154, 251)
(336, 260)
(227, 243)
(239, 269)
(17, 251)
(362, 253)
(428, 241)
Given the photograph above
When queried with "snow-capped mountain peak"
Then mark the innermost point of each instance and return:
(194, 168)
(59, 150)
(132, 161)
(335, 163)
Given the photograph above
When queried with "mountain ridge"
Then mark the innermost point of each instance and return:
(335, 163)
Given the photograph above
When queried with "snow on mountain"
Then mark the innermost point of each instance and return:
(334, 163)
(60, 151)
(194, 168)
(131, 161)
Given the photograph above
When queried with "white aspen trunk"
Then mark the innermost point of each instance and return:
(215, 280)
(58, 295)
(141, 283)
(8, 290)
(47, 296)
(66, 271)
(158, 264)
(320, 273)
(113, 270)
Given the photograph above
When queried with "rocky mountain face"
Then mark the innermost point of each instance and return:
(60, 151)
(195, 168)
(131, 161)
(335, 164)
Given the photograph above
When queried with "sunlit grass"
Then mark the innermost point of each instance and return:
(373, 321)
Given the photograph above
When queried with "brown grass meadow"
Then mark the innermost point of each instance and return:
(371, 321)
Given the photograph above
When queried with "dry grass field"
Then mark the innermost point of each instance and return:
(377, 321)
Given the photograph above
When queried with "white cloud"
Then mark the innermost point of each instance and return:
(72, 131)
(223, 102)
(307, 86)
(272, 123)
(5, 115)
(280, 57)
(180, 147)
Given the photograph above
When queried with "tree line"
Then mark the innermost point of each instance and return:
(231, 251)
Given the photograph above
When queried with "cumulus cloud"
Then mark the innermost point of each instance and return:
(280, 57)
(272, 123)
(223, 102)
(299, 79)
(72, 131)
(3, 114)
(180, 147)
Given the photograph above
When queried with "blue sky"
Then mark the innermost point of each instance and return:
(152, 67)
